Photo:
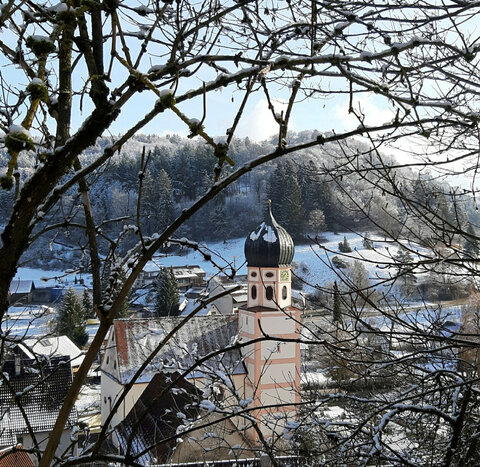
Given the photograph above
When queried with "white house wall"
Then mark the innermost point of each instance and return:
(42, 439)
(111, 389)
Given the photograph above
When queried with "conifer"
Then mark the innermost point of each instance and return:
(166, 294)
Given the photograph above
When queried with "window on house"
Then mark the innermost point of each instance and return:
(254, 292)
(108, 359)
(269, 293)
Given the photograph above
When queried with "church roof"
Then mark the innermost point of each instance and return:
(269, 245)
(138, 338)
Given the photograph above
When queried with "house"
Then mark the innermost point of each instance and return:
(20, 292)
(187, 276)
(262, 377)
(150, 427)
(37, 390)
(230, 303)
(131, 341)
(52, 347)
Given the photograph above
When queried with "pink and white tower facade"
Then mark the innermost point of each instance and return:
(273, 362)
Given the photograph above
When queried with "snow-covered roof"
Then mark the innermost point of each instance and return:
(19, 286)
(136, 339)
(189, 270)
(55, 347)
(153, 421)
(239, 296)
(40, 393)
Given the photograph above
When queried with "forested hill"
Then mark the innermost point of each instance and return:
(318, 189)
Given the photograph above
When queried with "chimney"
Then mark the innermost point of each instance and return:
(18, 366)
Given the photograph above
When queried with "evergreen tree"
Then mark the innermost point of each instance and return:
(218, 218)
(367, 243)
(286, 196)
(404, 261)
(292, 205)
(87, 304)
(344, 246)
(157, 205)
(112, 282)
(316, 220)
(167, 299)
(165, 213)
(471, 247)
(71, 319)
(275, 189)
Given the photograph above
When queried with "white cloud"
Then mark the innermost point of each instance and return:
(259, 124)
(366, 106)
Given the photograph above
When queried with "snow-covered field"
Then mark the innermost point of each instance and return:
(43, 278)
(314, 260)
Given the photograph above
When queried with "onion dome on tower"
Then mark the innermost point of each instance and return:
(269, 245)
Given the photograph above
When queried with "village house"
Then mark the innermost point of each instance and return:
(20, 292)
(131, 341)
(150, 427)
(54, 346)
(230, 303)
(39, 388)
(187, 276)
(253, 376)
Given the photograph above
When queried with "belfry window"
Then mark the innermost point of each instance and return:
(254, 292)
(284, 292)
(269, 293)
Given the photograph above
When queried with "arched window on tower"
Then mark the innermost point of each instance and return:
(269, 293)
(254, 292)
(284, 292)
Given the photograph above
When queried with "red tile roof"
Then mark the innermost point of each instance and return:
(12, 457)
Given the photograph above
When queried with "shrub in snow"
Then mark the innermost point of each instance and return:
(344, 246)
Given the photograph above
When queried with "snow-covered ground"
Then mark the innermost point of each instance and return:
(43, 278)
(314, 261)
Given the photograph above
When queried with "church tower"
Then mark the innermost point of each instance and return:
(273, 364)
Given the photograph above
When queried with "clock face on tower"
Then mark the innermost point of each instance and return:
(284, 276)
